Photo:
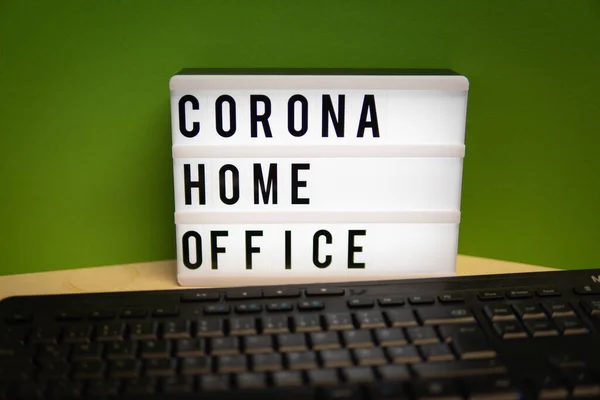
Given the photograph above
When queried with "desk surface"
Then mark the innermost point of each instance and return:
(162, 275)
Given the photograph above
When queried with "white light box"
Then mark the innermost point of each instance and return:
(316, 175)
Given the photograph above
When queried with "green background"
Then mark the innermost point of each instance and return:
(85, 143)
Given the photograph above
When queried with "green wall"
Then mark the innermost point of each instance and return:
(85, 145)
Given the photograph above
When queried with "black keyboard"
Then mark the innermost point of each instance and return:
(521, 336)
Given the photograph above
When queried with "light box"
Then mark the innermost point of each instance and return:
(289, 176)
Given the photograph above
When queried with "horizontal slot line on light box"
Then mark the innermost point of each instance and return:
(317, 151)
(321, 217)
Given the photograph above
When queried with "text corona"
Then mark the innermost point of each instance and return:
(226, 116)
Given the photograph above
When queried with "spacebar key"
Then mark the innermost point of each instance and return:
(453, 369)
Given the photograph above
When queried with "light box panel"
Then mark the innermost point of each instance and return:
(351, 150)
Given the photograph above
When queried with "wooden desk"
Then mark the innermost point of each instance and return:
(162, 275)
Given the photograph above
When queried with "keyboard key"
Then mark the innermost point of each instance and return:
(166, 312)
(200, 297)
(80, 333)
(548, 292)
(267, 362)
(587, 289)
(451, 298)
(390, 337)
(19, 318)
(112, 331)
(370, 356)
(539, 328)
(422, 335)
(231, 364)
(445, 315)
(101, 315)
(133, 313)
(242, 326)
(88, 369)
(394, 372)
(248, 308)
(307, 322)
(431, 389)
(196, 365)
(215, 383)
(571, 326)
(287, 378)
(68, 390)
(361, 303)
(308, 305)
(323, 377)
(345, 392)
(325, 291)
(209, 328)
(336, 358)
(176, 329)
(500, 313)
(391, 301)
(291, 342)
(140, 386)
(217, 309)
(472, 345)
(370, 319)
(190, 347)
(449, 332)
(301, 360)
(583, 383)
(450, 369)
(69, 315)
(123, 368)
(87, 351)
(275, 324)
(224, 345)
(54, 352)
(400, 318)
(519, 294)
(281, 293)
(417, 300)
(490, 295)
(551, 387)
(281, 306)
(357, 338)
(559, 309)
(355, 375)
(324, 340)
(437, 352)
(403, 354)
(31, 390)
(243, 294)
(54, 369)
(388, 391)
(251, 380)
(510, 330)
(45, 335)
(494, 387)
(155, 349)
(178, 385)
(143, 330)
(338, 321)
(592, 307)
(121, 350)
(530, 311)
(258, 344)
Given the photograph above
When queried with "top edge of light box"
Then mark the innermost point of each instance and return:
(370, 79)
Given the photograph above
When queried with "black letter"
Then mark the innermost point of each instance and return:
(368, 107)
(186, 249)
(328, 240)
(296, 183)
(288, 249)
(223, 187)
(291, 115)
(259, 182)
(328, 111)
(188, 184)
(182, 126)
(255, 118)
(219, 115)
(214, 249)
(353, 249)
(249, 248)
